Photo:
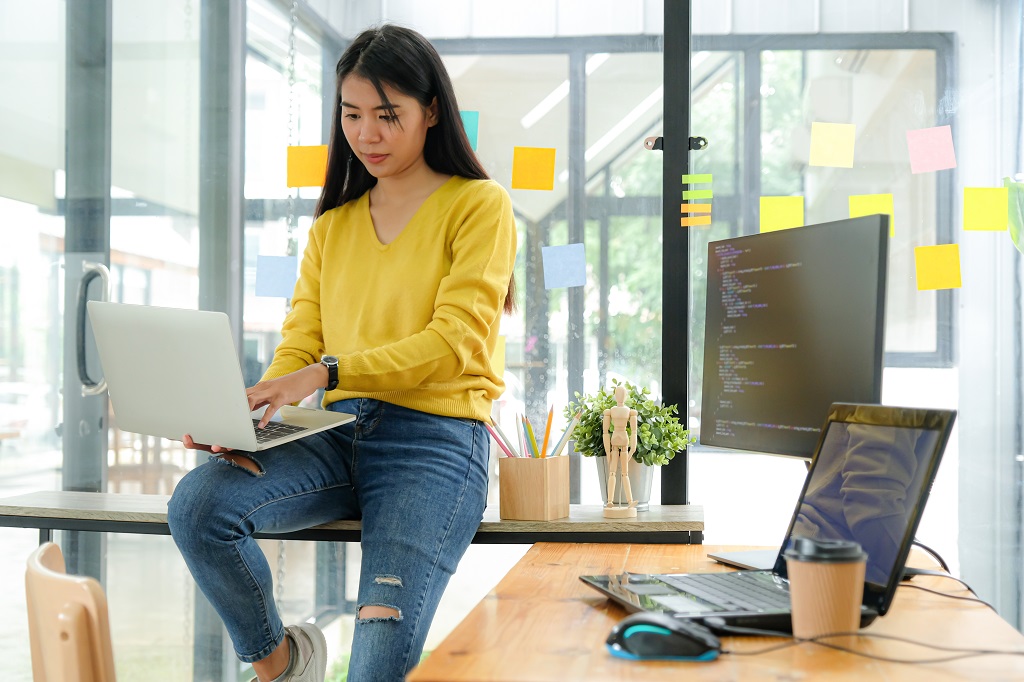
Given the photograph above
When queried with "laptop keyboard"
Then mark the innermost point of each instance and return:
(735, 591)
(274, 430)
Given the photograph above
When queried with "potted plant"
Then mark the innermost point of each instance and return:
(660, 435)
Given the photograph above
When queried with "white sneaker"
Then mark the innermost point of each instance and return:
(311, 653)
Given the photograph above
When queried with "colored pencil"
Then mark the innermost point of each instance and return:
(568, 433)
(533, 438)
(547, 433)
(497, 427)
(521, 429)
(497, 440)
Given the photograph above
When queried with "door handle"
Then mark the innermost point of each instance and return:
(91, 270)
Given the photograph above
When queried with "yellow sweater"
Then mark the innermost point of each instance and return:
(414, 322)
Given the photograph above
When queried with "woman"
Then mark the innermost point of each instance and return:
(396, 314)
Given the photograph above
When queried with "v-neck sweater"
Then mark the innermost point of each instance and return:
(413, 322)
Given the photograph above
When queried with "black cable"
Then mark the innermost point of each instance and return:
(961, 653)
(951, 596)
(934, 554)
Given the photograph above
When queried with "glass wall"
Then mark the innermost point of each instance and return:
(586, 79)
(887, 68)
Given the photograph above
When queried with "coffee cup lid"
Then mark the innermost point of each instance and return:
(824, 551)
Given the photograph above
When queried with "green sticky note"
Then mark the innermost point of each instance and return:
(938, 267)
(781, 213)
(697, 194)
(986, 208)
(832, 144)
(697, 179)
(870, 204)
(1015, 194)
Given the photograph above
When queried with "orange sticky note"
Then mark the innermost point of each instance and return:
(695, 208)
(533, 168)
(938, 267)
(694, 220)
(832, 144)
(307, 166)
(781, 213)
(986, 208)
(498, 357)
(870, 204)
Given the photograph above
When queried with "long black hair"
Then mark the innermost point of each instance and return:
(404, 60)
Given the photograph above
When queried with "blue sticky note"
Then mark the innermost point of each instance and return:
(276, 275)
(564, 266)
(471, 122)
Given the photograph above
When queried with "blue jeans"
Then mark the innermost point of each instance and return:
(418, 482)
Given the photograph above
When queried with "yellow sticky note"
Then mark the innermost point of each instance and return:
(938, 267)
(498, 357)
(832, 144)
(781, 213)
(533, 168)
(870, 204)
(986, 208)
(307, 166)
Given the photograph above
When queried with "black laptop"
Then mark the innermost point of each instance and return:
(868, 481)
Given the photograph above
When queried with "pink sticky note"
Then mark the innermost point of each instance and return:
(931, 149)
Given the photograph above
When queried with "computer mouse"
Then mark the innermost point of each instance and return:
(652, 635)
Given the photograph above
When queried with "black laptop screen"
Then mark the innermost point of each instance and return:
(867, 486)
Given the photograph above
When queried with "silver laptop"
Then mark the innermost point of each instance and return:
(868, 481)
(171, 371)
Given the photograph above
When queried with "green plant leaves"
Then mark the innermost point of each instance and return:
(660, 435)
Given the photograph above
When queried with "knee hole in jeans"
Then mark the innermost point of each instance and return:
(242, 462)
(370, 613)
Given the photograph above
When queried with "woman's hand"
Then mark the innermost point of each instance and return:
(291, 388)
(192, 445)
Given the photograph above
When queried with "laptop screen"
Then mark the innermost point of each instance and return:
(868, 483)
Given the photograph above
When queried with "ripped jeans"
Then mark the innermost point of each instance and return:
(417, 480)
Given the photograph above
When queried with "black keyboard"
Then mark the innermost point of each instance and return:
(740, 591)
(274, 430)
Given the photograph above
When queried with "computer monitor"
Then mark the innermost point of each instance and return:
(795, 322)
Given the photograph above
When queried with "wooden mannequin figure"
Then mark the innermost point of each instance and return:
(619, 446)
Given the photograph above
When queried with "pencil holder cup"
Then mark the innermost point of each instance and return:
(533, 489)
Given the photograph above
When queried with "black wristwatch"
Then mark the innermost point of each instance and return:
(331, 363)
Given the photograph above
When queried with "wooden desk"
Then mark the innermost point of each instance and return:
(147, 514)
(542, 624)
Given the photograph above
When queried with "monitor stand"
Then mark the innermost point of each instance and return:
(753, 559)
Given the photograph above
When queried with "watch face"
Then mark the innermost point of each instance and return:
(329, 360)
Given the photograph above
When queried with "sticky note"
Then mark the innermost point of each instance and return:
(870, 204)
(931, 149)
(533, 168)
(564, 266)
(498, 357)
(307, 166)
(693, 220)
(832, 144)
(471, 122)
(697, 194)
(781, 213)
(695, 208)
(1015, 192)
(697, 179)
(276, 275)
(938, 267)
(986, 208)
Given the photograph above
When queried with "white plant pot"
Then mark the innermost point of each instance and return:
(641, 476)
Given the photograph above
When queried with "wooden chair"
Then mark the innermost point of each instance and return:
(68, 627)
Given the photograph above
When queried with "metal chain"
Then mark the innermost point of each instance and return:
(292, 124)
(279, 587)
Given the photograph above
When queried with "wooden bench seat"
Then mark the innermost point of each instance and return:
(147, 514)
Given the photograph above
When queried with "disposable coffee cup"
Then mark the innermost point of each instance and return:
(826, 585)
